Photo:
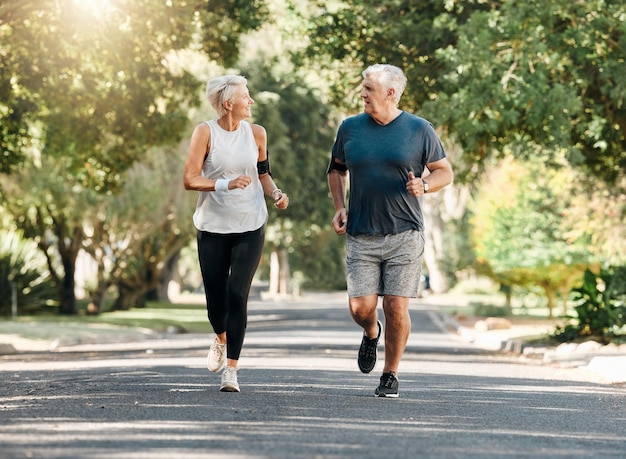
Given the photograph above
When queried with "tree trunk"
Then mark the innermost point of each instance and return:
(98, 297)
(129, 296)
(69, 242)
(284, 272)
(165, 277)
(508, 297)
(66, 291)
(550, 294)
(274, 274)
(433, 248)
(279, 273)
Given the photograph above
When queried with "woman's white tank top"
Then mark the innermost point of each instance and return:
(232, 153)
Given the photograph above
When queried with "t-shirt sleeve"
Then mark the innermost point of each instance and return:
(433, 148)
(337, 151)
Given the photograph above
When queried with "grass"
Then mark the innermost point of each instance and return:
(192, 319)
(156, 316)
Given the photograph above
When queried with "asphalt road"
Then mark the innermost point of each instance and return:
(303, 397)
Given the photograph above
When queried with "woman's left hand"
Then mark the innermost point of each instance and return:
(281, 200)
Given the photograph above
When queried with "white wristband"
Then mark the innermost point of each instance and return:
(221, 185)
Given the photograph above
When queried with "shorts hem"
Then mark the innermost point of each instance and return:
(359, 294)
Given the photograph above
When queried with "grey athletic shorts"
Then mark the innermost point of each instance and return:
(384, 264)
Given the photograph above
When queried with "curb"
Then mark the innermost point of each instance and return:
(607, 361)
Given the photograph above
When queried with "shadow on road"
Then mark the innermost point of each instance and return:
(302, 397)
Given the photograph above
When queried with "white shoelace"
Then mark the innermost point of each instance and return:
(230, 375)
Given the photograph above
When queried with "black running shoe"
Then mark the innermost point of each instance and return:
(368, 352)
(388, 386)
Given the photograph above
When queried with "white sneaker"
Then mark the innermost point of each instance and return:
(216, 360)
(229, 380)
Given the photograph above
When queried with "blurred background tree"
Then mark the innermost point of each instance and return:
(98, 99)
(498, 79)
(86, 89)
(519, 233)
(300, 131)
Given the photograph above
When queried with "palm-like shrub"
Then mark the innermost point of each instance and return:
(23, 270)
(600, 307)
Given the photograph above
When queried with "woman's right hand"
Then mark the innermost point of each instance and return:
(240, 182)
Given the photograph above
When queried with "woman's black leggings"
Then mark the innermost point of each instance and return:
(228, 263)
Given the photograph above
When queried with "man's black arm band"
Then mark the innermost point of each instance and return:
(337, 166)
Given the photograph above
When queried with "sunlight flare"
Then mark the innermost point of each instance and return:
(96, 8)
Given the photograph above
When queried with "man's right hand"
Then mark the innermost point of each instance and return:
(340, 221)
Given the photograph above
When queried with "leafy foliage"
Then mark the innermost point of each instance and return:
(135, 234)
(50, 208)
(97, 77)
(600, 306)
(500, 77)
(599, 212)
(22, 268)
(300, 131)
(345, 37)
(86, 88)
(520, 232)
(522, 75)
(224, 22)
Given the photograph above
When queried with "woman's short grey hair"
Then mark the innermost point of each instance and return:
(221, 89)
(389, 76)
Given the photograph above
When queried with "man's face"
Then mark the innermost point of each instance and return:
(375, 97)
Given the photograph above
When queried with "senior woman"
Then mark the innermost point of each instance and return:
(228, 165)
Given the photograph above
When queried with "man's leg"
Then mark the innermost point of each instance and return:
(363, 312)
(397, 330)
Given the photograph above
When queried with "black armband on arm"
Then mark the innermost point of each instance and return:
(263, 167)
(337, 166)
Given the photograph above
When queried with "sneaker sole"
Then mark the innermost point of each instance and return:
(229, 389)
(215, 370)
(368, 370)
(387, 395)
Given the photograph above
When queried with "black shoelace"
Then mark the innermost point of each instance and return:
(369, 351)
(387, 380)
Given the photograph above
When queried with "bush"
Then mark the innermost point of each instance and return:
(600, 306)
(22, 266)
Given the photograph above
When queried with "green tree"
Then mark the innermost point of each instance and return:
(500, 78)
(520, 232)
(492, 74)
(23, 273)
(91, 86)
(48, 206)
(347, 36)
(535, 73)
(98, 75)
(600, 304)
(136, 235)
(300, 130)
(600, 213)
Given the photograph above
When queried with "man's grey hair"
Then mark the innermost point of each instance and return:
(221, 89)
(389, 76)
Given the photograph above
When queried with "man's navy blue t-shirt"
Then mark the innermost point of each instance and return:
(379, 159)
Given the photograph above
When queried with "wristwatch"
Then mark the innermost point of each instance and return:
(425, 185)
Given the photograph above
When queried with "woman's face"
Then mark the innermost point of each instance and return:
(241, 102)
